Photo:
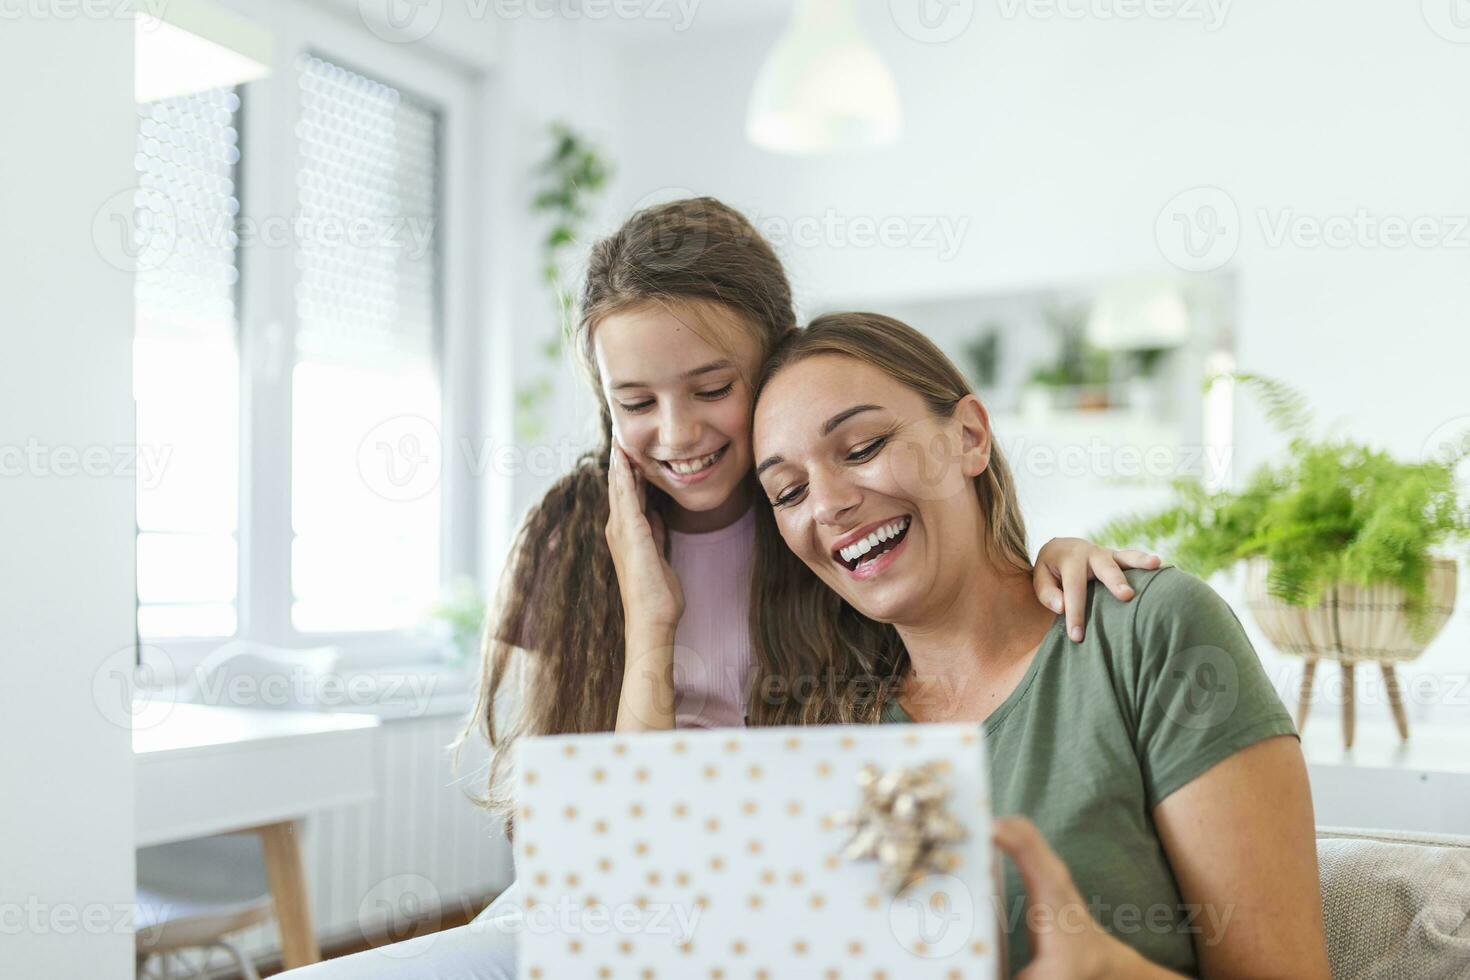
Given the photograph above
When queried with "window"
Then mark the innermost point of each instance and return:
(186, 365)
(365, 393)
(295, 291)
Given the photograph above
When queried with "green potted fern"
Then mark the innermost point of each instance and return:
(1344, 546)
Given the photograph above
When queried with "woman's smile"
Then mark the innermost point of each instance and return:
(873, 548)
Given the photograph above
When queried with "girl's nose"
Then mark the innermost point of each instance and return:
(679, 430)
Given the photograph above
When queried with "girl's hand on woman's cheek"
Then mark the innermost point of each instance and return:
(1066, 942)
(1064, 566)
(649, 586)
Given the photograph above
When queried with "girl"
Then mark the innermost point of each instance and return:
(1157, 760)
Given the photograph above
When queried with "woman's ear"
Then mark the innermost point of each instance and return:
(974, 423)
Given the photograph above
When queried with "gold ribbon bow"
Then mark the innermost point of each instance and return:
(902, 823)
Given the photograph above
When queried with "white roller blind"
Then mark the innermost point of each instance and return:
(367, 194)
(365, 499)
(185, 364)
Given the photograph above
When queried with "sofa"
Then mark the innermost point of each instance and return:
(1396, 905)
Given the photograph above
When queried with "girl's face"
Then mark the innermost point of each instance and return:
(873, 492)
(680, 401)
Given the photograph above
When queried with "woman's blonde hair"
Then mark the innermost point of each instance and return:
(559, 618)
(818, 660)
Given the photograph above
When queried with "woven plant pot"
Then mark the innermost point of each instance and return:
(1351, 622)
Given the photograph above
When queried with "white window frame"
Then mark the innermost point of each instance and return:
(267, 323)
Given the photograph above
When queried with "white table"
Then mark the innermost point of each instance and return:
(1382, 782)
(202, 770)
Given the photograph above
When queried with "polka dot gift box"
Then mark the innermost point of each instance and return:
(826, 852)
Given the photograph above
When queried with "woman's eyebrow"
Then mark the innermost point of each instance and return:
(846, 414)
(696, 372)
(827, 428)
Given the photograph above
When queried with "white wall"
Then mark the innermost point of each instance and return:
(1057, 143)
(66, 579)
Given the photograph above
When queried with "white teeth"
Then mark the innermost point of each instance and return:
(684, 467)
(864, 545)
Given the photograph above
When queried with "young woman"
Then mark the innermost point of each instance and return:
(1166, 812)
(625, 602)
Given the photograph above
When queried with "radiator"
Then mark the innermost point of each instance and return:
(420, 849)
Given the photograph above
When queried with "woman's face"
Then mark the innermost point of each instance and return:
(872, 491)
(680, 399)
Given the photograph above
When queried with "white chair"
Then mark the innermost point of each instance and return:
(191, 896)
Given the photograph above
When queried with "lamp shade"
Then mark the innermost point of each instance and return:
(823, 87)
(193, 46)
(1139, 314)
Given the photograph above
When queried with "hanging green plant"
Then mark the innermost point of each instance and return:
(568, 180)
(1333, 511)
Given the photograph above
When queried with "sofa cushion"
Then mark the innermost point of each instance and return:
(1395, 905)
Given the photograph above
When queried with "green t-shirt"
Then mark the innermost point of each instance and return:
(1097, 733)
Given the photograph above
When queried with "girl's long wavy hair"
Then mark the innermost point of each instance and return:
(818, 660)
(557, 628)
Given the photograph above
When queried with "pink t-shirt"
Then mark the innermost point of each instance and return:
(712, 644)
